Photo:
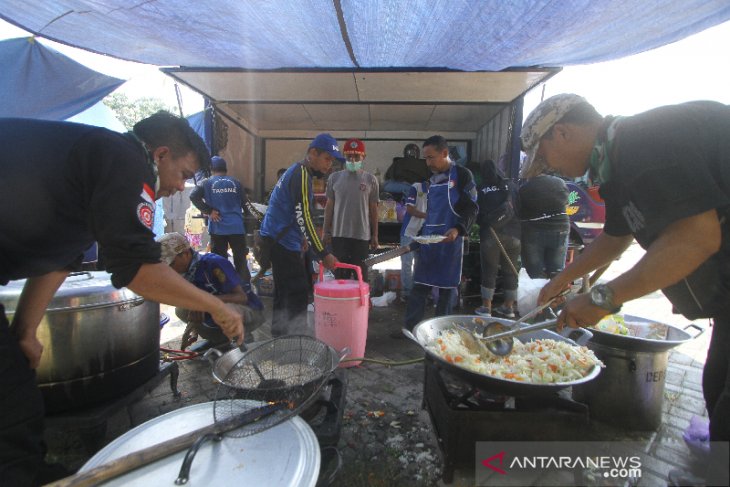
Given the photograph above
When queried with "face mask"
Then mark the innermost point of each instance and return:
(353, 166)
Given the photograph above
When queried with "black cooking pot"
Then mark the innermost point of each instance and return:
(99, 342)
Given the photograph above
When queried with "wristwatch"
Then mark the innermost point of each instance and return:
(602, 296)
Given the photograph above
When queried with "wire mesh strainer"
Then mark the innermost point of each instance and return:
(266, 386)
(288, 370)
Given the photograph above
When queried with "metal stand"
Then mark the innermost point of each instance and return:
(91, 423)
(460, 419)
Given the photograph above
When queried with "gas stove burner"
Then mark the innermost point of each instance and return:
(492, 402)
(324, 416)
(463, 415)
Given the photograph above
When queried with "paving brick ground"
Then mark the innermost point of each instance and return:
(398, 447)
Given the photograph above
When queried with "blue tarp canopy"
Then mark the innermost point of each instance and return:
(40, 82)
(370, 67)
(469, 35)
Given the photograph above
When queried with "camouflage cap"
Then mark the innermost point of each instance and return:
(172, 244)
(539, 122)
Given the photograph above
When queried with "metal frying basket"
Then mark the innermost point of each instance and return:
(266, 386)
(289, 370)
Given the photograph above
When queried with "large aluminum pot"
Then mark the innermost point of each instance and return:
(99, 342)
(636, 368)
(427, 331)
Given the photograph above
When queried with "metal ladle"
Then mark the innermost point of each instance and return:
(497, 337)
(265, 383)
(500, 342)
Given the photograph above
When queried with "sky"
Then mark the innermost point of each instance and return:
(697, 67)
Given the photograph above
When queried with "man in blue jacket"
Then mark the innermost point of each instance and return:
(222, 198)
(451, 210)
(289, 226)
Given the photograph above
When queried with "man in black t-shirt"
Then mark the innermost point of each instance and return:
(65, 186)
(545, 225)
(665, 179)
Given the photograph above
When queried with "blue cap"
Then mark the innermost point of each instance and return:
(217, 163)
(327, 143)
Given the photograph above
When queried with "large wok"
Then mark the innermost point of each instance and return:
(428, 330)
(674, 337)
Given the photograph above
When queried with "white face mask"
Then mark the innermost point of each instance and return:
(353, 166)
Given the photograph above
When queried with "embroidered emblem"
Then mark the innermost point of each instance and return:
(146, 214)
(219, 275)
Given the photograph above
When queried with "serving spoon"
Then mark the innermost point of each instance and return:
(498, 337)
(500, 342)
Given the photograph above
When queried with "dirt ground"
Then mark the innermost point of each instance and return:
(387, 439)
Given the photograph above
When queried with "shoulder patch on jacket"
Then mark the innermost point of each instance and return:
(146, 214)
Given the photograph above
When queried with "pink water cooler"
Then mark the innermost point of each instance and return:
(341, 309)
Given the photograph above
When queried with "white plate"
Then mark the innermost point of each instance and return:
(429, 239)
(259, 207)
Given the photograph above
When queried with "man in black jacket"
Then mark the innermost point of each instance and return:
(69, 185)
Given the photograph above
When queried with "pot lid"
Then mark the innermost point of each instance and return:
(285, 455)
(79, 290)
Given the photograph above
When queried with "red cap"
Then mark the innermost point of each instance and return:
(353, 145)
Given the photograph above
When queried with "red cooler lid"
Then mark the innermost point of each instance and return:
(341, 288)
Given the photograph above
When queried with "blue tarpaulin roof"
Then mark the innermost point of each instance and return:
(470, 35)
(40, 82)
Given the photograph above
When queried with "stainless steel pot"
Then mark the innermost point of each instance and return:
(428, 330)
(630, 392)
(99, 342)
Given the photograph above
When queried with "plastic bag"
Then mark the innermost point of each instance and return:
(384, 300)
(528, 292)
(697, 436)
